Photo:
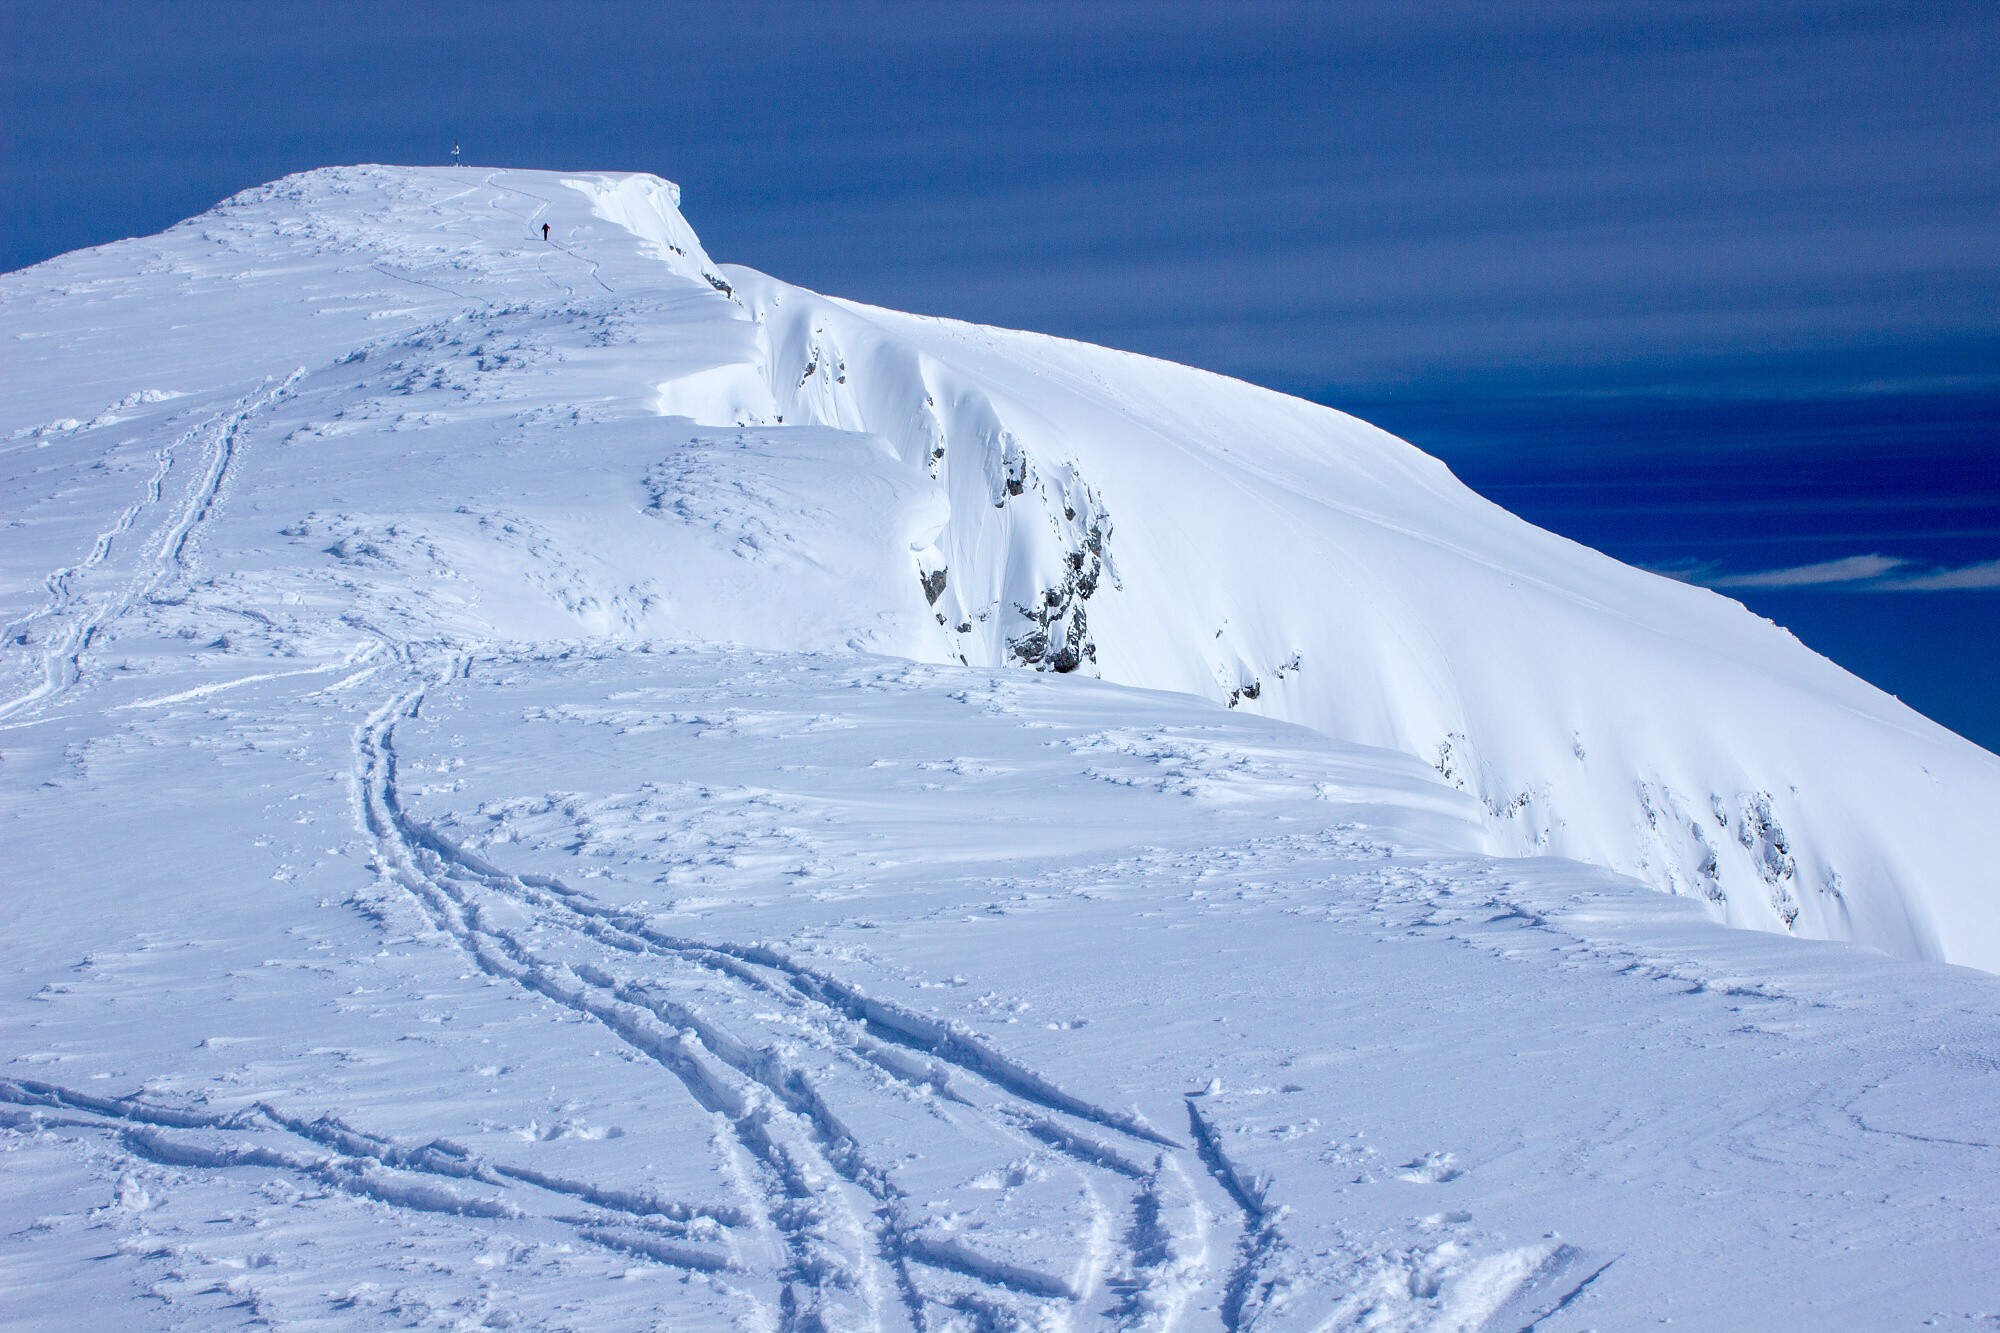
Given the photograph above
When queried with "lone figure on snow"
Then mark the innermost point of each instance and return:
(545, 231)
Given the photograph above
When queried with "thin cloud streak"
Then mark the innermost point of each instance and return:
(1866, 573)
(1852, 569)
(1984, 575)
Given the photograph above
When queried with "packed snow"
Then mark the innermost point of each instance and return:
(566, 785)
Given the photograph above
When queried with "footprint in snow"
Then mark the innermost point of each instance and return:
(1433, 1168)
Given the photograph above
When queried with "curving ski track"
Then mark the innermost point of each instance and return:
(168, 558)
(430, 1178)
(854, 1254)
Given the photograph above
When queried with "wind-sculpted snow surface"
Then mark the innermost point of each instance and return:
(557, 785)
(607, 434)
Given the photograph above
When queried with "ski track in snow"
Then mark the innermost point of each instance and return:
(376, 1168)
(541, 207)
(78, 618)
(816, 1175)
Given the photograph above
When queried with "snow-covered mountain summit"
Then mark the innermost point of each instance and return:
(552, 783)
(610, 434)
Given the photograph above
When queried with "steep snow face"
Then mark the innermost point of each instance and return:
(606, 435)
(1172, 529)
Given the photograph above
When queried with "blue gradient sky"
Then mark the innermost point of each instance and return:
(1715, 287)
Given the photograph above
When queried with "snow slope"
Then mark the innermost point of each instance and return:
(528, 805)
(1066, 507)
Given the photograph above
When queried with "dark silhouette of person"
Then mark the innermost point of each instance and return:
(545, 231)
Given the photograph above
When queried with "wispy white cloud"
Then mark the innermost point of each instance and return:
(1850, 569)
(1862, 573)
(1985, 575)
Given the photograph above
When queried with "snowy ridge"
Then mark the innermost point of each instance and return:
(559, 784)
(950, 493)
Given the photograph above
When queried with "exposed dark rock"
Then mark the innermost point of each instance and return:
(1060, 637)
(1761, 836)
(1013, 468)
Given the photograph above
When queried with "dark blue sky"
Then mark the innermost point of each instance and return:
(1715, 287)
